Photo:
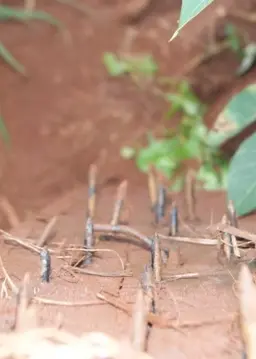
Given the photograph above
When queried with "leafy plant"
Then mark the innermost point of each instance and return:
(238, 114)
(7, 13)
(187, 142)
(132, 65)
(191, 140)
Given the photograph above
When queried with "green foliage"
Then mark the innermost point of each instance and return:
(242, 177)
(189, 10)
(248, 60)
(10, 60)
(239, 113)
(246, 54)
(191, 140)
(8, 13)
(133, 65)
(187, 142)
(234, 40)
(4, 132)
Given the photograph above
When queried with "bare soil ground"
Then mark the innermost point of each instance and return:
(207, 298)
(68, 114)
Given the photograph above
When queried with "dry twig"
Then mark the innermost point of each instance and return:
(242, 234)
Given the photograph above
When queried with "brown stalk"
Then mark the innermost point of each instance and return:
(92, 190)
(120, 198)
(152, 187)
(242, 234)
(139, 323)
(47, 232)
(157, 259)
(189, 194)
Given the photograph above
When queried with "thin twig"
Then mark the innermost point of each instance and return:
(203, 241)
(108, 228)
(242, 234)
(161, 321)
(152, 318)
(101, 274)
(192, 275)
(8, 237)
(41, 300)
(79, 249)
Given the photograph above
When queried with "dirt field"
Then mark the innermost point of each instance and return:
(69, 114)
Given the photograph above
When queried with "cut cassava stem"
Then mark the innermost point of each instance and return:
(173, 227)
(189, 194)
(152, 188)
(92, 190)
(120, 198)
(231, 212)
(157, 259)
(139, 323)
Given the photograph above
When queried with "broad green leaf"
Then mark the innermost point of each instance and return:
(189, 10)
(248, 60)
(127, 152)
(239, 113)
(10, 60)
(21, 14)
(114, 66)
(242, 177)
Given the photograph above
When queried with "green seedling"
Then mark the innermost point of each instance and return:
(135, 66)
(187, 142)
(236, 116)
(18, 14)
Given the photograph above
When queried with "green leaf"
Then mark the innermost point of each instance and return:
(10, 60)
(144, 65)
(248, 60)
(164, 154)
(239, 113)
(233, 39)
(190, 108)
(127, 152)
(3, 130)
(114, 66)
(20, 14)
(189, 10)
(166, 165)
(242, 177)
(211, 179)
(178, 184)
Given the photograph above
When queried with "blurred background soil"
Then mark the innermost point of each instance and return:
(69, 113)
